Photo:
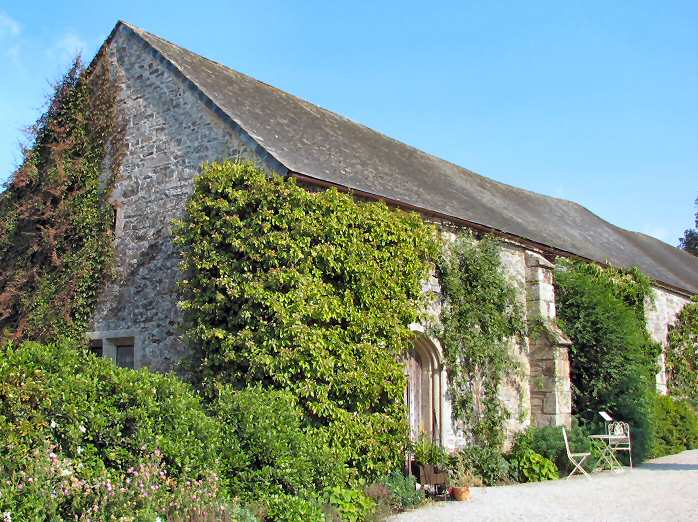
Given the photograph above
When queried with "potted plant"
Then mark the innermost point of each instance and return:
(461, 480)
(432, 460)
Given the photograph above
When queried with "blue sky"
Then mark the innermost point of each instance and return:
(591, 101)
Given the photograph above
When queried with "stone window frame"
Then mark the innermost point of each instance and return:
(110, 340)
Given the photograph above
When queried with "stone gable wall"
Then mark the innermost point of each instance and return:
(170, 133)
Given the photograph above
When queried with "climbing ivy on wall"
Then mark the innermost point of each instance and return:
(613, 360)
(630, 285)
(309, 292)
(682, 353)
(55, 221)
(479, 322)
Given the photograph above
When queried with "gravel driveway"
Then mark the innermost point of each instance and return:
(659, 490)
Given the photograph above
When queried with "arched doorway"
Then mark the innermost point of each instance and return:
(424, 389)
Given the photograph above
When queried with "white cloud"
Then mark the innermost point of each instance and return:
(8, 25)
(67, 47)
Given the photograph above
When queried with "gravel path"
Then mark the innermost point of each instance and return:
(664, 489)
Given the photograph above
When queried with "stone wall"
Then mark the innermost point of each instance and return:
(539, 392)
(659, 315)
(170, 133)
(515, 392)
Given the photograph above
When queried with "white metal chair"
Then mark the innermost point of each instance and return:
(622, 430)
(575, 458)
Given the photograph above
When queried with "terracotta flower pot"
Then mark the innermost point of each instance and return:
(460, 493)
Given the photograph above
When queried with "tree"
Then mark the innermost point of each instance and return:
(689, 241)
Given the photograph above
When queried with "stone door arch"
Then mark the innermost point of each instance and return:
(424, 393)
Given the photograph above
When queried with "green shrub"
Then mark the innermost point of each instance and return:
(102, 416)
(528, 466)
(351, 504)
(547, 441)
(676, 427)
(288, 508)
(73, 422)
(309, 292)
(428, 452)
(47, 486)
(613, 360)
(265, 452)
(485, 462)
(403, 490)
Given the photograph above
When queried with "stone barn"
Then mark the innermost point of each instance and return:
(182, 110)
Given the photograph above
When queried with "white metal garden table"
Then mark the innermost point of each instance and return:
(608, 456)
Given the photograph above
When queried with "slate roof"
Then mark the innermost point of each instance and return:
(327, 147)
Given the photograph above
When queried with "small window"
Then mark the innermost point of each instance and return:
(96, 347)
(117, 225)
(124, 352)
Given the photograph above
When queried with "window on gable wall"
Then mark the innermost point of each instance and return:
(124, 352)
(115, 218)
(119, 349)
(117, 225)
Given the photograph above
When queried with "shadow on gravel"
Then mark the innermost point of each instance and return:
(670, 467)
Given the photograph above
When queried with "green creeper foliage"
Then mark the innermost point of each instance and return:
(55, 221)
(613, 360)
(308, 292)
(682, 353)
(478, 322)
(630, 285)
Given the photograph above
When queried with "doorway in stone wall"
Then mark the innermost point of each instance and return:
(424, 395)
